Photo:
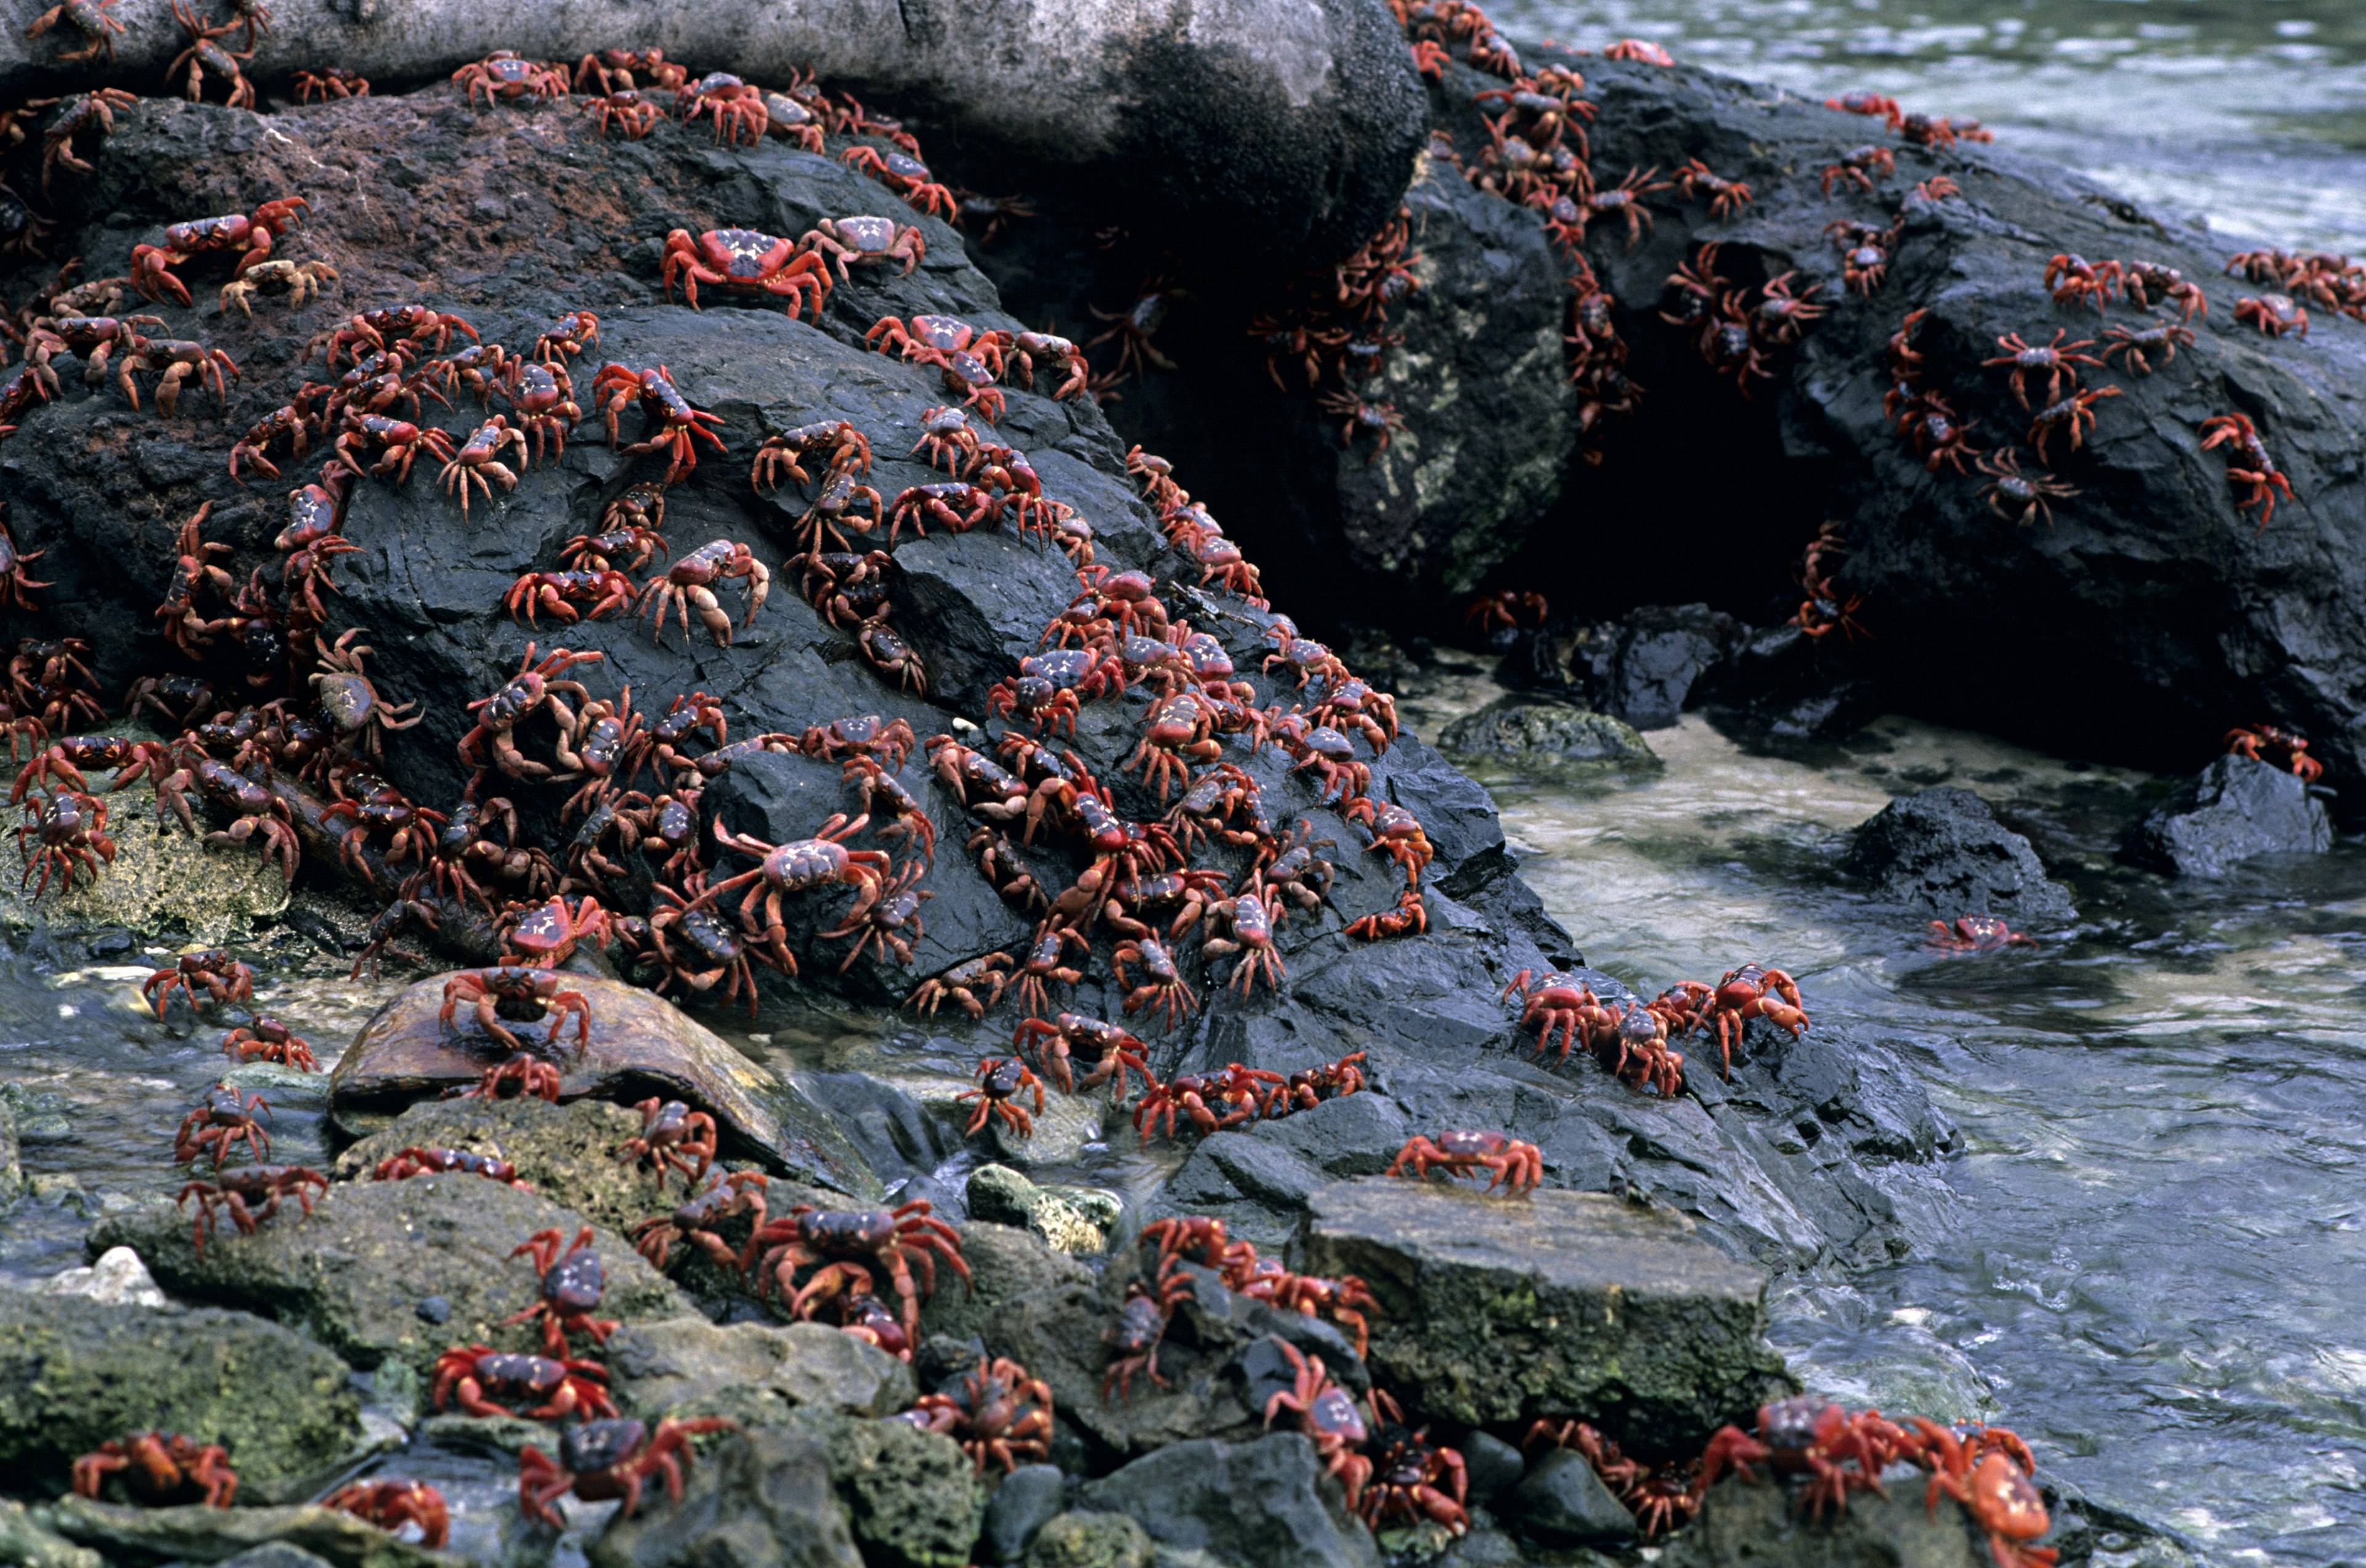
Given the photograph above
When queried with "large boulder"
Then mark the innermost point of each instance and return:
(1763, 1527)
(1292, 131)
(75, 1373)
(753, 1373)
(1495, 1309)
(1941, 851)
(756, 1500)
(2235, 809)
(391, 1270)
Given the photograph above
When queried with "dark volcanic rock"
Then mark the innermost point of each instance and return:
(1020, 1508)
(1941, 851)
(1643, 668)
(1290, 133)
(1561, 1501)
(1266, 1504)
(2236, 808)
(1559, 1305)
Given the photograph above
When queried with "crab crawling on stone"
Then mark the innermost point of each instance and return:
(571, 1280)
(1976, 933)
(159, 1468)
(603, 1459)
(1515, 1165)
(997, 1413)
(893, 1239)
(468, 1374)
(521, 994)
(265, 1184)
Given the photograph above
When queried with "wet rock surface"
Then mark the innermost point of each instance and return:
(754, 1500)
(270, 1538)
(1644, 668)
(76, 1373)
(357, 1273)
(753, 1373)
(1498, 1310)
(1743, 1524)
(1528, 732)
(1943, 852)
(2235, 809)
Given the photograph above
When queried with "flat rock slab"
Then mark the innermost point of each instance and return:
(198, 1534)
(393, 1270)
(640, 1044)
(2233, 810)
(1495, 1309)
(753, 1373)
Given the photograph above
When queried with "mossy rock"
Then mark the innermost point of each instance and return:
(76, 1373)
(1530, 732)
(195, 1533)
(913, 1496)
(391, 1270)
(755, 1373)
(1090, 1540)
(161, 882)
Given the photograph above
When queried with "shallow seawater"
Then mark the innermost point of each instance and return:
(2251, 113)
(2156, 1267)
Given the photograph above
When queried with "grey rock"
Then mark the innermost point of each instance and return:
(118, 1279)
(912, 1496)
(1266, 1504)
(195, 1533)
(759, 1499)
(30, 1545)
(1941, 851)
(1781, 685)
(1090, 1540)
(1070, 1220)
(1759, 1525)
(1303, 127)
(12, 1172)
(1561, 1501)
(275, 1554)
(1534, 730)
(1490, 1465)
(753, 1373)
(2233, 810)
(1026, 1501)
(1006, 1265)
(897, 1138)
(353, 1273)
(76, 1373)
(1642, 668)
(1555, 1304)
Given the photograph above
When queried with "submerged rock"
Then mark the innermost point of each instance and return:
(1941, 851)
(758, 1499)
(2233, 810)
(640, 1045)
(76, 1373)
(1532, 731)
(1496, 1309)
(360, 1273)
(1266, 1504)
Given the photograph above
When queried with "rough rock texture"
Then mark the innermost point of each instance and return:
(639, 1045)
(754, 1500)
(76, 1373)
(1783, 686)
(1530, 732)
(753, 1373)
(357, 1273)
(1090, 1540)
(2151, 611)
(1564, 1502)
(1943, 852)
(1026, 1500)
(1071, 1220)
(1294, 128)
(1559, 1304)
(194, 1533)
(160, 881)
(12, 1169)
(118, 1279)
(2236, 808)
(1266, 1503)
(1760, 1527)
(1643, 668)
(1006, 1265)
(25, 1543)
(567, 1153)
(913, 1497)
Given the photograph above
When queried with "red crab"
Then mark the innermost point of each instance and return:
(234, 1190)
(1754, 992)
(851, 240)
(1987, 1470)
(533, 688)
(204, 54)
(2284, 748)
(795, 867)
(556, 1389)
(1976, 933)
(249, 237)
(735, 106)
(2075, 414)
(71, 828)
(1241, 1093)
(1838, 1450)
(603, 1459)
(224, 978)
(688, 583)
(2162, 340)
(904, 175)
(2275, 314)
(674, 426)
(521, 1075)
(748, 262)
(997, 1413)
(1557, 1001)
(962, 983)
(2074, 280)
(2253, 472)
(404, 1164)
(271, 1041)
(1413, 1478)
(892, 1238)
(390, 1504)
(1141, 1324)
(2016, 497)
(1381, 420)
(94, 20)
(729, 1193)
(1250, 934)
(520, 995)
(1001, 1083)
(223, 1118)
(1115, 1050)
(1858, 165)
(2056, 359)
(1162, 986)
(671, 1137)
(571, 1280)
(1511, 1164)
(159, 1467)
(503, 74)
